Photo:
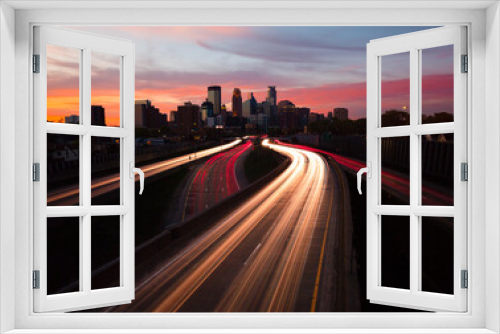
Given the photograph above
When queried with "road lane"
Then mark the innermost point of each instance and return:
(214, 181)
(254, 259)
(285, 250)
(70, 195)
(396, 183)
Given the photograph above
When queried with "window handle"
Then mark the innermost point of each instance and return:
(368, 172)
(133, 171)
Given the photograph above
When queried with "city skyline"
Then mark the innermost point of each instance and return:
(317, 67)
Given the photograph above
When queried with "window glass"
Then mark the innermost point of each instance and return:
(105, 251)
(395, 153)
(63, 170)
(105, 171)
(63, 84)
(395, 251)
(437, 169)
(63, 267)
(437, 84)
(395, 86)
(84, 233)
(105, 109)
(437, 254)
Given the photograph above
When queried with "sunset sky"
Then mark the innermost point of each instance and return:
(317, 67)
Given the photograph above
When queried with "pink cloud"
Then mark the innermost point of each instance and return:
(188, 32)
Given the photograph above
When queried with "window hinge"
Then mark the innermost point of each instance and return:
(36, 172)
(464, 171)
(36, 279)
(465, 64)
(36, 63)
(464, 279)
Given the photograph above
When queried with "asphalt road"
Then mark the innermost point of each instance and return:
(393, 182)
(264, 256)
(70, 195)
(215, 180)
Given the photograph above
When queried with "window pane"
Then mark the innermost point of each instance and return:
(105, 250)
(63, 255)
(63, 170)
(395, 81)
(437, 169)
(395, 178)
(437, 254)
(395, 251)
(105, 171)
(105, 89)
(63, 84)
(437, 84)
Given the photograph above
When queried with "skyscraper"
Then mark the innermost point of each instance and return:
(237, 103)
(271, 95)
(214, 96)
(148, 116)
(173, 116)
(271, 100)
(249, 106)
(292, 117)
(98, 115)
(223, 114)
(207, 110)
(285, 105)
(342, 114)
(188, 117)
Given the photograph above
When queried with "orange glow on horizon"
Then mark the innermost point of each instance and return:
(55, 119)
(64, 102)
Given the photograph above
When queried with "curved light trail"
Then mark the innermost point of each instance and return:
(297, 223)
(253, 259)
(112, 182)
(215, 180)
(396, 182)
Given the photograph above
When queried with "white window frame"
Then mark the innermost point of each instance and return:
(87, 44)
(484, 308)
(413, 44)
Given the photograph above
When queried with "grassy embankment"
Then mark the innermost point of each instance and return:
(259, 162)
(150, 207)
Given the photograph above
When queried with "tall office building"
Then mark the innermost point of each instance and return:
(223, 114)
(188, 117)
(266, 108)
(272, 108)
(303, 116)
(316, 117)
(341, 114)
(285, 105)
(173, 116)
(214, 96)
(249, 107)
(98, 115)
(271, 95)
(148, 116)
(207, 110)
(237, 103)
(292, 117)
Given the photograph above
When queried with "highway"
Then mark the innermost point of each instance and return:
(215, 180)
(70, 195)
(265, 255)
(398, 184)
